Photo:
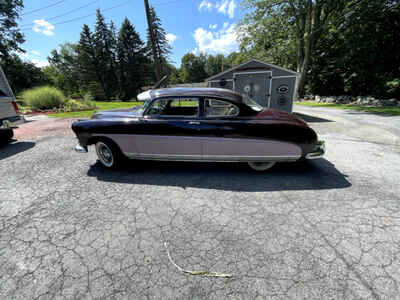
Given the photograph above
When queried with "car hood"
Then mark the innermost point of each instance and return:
(116, 113)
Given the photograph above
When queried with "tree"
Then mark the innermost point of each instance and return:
(64, 69)
(359, 54)
(22, 75)
(132, 61)
(163, 48)
(10, 36)
(89, 65)
(105, 45)
(193, 68)
(297, 23)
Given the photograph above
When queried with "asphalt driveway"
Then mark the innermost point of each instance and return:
(326, 229)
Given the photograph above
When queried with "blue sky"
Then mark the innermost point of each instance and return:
(191, 25)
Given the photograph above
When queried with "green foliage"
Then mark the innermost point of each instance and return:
(42, 98)
(133, 64)
(99, 106)
(64, 70)
(78, 105)
(193, 68)
(10, 36)
(22, 75)
(163, 48)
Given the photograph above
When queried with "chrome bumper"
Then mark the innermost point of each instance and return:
(81, 149)
(319, 151)
(12, 122)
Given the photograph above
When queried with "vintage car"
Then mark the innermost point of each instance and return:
(198, 124)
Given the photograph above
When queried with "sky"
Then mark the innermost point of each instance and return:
(192, 25)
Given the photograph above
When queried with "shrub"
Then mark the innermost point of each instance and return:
(45, 97)
(78, 105)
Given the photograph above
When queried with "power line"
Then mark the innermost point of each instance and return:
(42, 8)
(64, 14)
(88, 15)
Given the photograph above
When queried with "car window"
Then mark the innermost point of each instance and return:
(219, 108)
(182, 107)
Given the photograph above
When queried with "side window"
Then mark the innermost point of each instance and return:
(172, 107)
(219, 108)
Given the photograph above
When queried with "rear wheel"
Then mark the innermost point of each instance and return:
(261, 166)
(109, 154)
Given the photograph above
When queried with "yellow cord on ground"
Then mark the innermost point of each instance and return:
(197, 273)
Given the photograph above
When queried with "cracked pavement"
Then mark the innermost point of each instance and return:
(325, 229)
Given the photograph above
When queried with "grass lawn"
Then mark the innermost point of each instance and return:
(100, 106)
(392, 111)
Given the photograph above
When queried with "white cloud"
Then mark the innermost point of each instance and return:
(37, 53)
(43, 26)
(171, 38)
(226, 7)
(231, 9)
(39, 63)
(213, 26)
(223, 41)
(206, 5)
(195, 51)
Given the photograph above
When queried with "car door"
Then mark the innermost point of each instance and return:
(170, 129)
(219, 130)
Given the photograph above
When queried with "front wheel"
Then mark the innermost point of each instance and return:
(261, 166)
(109, 154)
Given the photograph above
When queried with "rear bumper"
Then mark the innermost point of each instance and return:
(12, 122)
(318, 152)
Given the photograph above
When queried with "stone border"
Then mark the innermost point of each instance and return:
(359, 100)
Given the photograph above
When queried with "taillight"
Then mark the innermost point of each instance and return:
(15, 105)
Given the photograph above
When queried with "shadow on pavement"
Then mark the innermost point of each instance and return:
(308, 175)
(7, 150)
(311, 119)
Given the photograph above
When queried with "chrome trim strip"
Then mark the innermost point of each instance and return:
(210, 158)
(320, 151)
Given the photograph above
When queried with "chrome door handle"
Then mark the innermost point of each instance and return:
(194, 123)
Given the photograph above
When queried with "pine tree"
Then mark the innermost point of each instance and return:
(90, 73)
(132, 60)
(163, 48)
(105, 45)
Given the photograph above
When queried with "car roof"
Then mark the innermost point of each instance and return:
(193, 92)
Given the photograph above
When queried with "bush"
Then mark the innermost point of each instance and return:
(43, 98)
(78, 105)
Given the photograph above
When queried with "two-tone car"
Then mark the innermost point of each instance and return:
(198, 124)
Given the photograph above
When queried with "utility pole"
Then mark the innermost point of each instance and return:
(153, 44)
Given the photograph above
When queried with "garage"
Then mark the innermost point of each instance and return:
(270, 85)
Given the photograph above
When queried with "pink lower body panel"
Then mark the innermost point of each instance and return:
(204, 148)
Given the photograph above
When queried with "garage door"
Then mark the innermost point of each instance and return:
(255, 84)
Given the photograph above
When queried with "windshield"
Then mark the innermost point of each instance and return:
(140, 110)
(252, 103)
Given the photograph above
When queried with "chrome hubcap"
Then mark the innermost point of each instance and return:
(105, 154)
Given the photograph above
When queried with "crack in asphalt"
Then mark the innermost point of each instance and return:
(71, 229)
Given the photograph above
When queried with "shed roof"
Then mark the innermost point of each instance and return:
(250, 61)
